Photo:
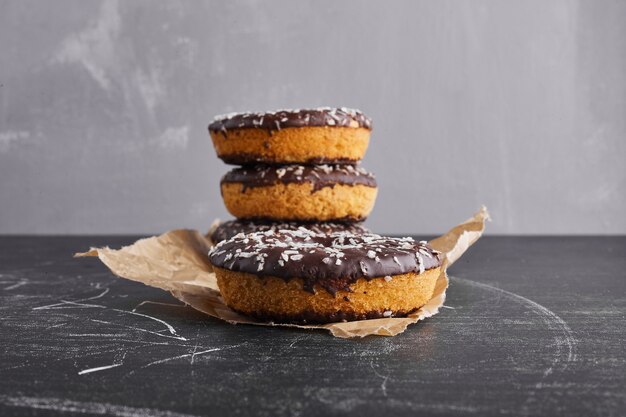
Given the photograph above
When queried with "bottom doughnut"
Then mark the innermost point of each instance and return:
(280, 300)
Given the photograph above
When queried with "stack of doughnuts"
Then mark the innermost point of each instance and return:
(297, 251)
(296, 167)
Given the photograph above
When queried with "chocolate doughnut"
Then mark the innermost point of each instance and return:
(231, 228)
(307, 136)
(301, 193)
(301, 276)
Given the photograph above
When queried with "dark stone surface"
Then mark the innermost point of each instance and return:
(532, 326)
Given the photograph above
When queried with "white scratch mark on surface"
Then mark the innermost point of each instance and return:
(191, 355)
(157, 303)
(95, 297)
(10, 137)
(187, 355)
(174, 138)
(169, 326)
(94, 47)
(194, 354)
(61, 405)
(69, 304)
(297, 339)
(383, 385)
(565, 339)
(99, 368)
(195, 348)
(139, 342)
(65, 304)
(16, 285)
(140, 329)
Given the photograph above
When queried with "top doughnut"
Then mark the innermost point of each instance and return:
(304, 136)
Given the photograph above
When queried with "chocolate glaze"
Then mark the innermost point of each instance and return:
(319, 175)
(231, 228)
(247, 159)
(280, 119)
(333, 261)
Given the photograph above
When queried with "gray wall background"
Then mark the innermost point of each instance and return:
(520, 105)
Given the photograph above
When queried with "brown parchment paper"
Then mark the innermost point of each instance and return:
(177, 262)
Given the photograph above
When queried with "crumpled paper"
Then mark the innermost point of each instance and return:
(177, 261)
